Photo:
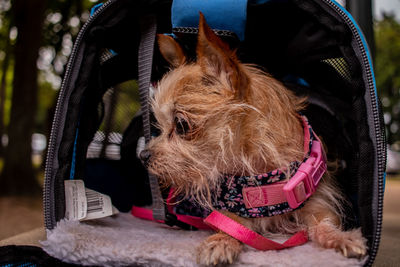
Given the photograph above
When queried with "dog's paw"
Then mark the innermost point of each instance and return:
(353, 244)
(350, 243)
(218, 249)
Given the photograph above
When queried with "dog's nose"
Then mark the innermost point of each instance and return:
(145, 156)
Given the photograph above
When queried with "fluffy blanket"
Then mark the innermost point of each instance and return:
(124, 240)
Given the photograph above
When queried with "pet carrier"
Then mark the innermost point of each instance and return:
(314, 47)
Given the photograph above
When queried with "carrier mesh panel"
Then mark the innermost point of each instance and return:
(340, 65)
(120, 104)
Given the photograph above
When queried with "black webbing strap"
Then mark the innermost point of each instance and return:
(148, 27)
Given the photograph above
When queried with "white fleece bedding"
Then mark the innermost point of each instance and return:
(124, 240)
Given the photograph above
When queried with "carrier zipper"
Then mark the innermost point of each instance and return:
(48, 192)
(381, 149)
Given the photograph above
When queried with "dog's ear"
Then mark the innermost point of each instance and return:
(171, 50)
(218, 59)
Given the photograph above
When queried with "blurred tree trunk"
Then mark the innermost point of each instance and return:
(3, 87)
(18, 176)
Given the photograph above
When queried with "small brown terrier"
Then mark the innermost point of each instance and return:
(218, 116)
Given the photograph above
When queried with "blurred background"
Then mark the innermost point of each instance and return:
(36, 38)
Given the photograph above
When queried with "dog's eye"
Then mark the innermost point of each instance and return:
(182, 125)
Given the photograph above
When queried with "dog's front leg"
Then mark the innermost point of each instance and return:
(219, 248)
(324, 229)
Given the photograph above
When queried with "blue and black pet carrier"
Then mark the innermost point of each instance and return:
(314, 47)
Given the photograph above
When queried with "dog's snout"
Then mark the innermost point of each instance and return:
(145, 156)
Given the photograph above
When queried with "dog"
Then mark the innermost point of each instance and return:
(219, 117)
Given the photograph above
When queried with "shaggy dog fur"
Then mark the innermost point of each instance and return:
(218, 116)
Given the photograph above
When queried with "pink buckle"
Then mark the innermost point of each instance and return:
(266, 195)
(308, 175)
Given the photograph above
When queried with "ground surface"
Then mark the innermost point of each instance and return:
(389, 249)
(18, 215)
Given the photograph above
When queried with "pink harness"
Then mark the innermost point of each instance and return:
(293, 192)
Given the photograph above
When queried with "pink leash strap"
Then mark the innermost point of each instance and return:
(147, 214)
(225, 224)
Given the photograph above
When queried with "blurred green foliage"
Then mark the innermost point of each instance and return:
(63, 19)
(387, 68)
